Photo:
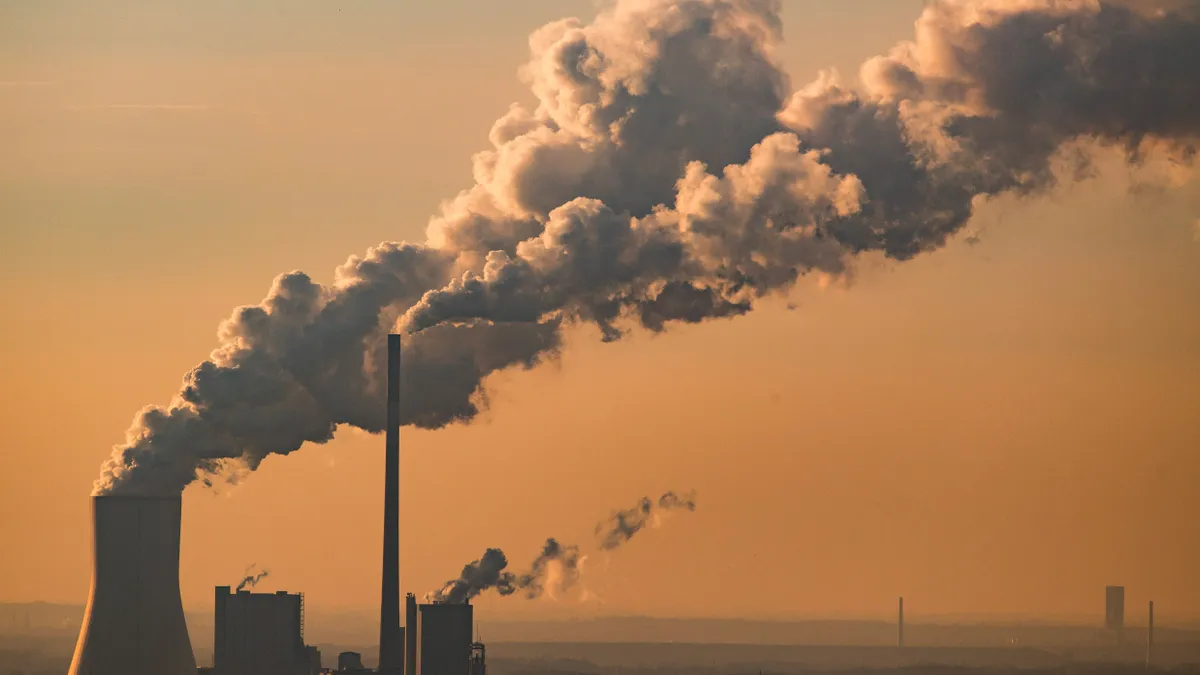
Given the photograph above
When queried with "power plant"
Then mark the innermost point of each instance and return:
(134, 622)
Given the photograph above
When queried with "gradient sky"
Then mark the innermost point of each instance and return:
(996, 428)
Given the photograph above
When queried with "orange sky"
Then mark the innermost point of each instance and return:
(998, 428)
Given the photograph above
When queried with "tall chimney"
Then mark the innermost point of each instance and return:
(1150, 638)
(134, 621)
(410, 635)
(391, 648)
(900, 632)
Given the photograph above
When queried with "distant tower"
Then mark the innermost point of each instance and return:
(900, 632)
(1114, 610)
(1150, 637)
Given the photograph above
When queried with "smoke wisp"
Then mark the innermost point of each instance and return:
(489, 573)
(668, 174)
(251, 579)
(557, 567)
(622, 525)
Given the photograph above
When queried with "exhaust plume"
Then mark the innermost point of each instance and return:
(622, 525)
(251, 579)
(489, 573)
(667, 176)
(557, 566)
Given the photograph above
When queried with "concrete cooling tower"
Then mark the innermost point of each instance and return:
(134, 621)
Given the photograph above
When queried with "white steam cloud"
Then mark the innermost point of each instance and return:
(667, 176)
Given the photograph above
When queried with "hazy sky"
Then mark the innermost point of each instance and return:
(1002, 427)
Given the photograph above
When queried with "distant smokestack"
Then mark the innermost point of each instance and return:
(391, 646)
(1150, 638)
(410, 635)
(900, 632)
(134, 621)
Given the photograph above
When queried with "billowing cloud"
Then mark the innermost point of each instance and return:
(666, 175)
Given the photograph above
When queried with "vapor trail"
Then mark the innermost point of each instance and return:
(666, 175)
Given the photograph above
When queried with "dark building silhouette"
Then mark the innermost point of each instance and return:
(350, 662)
(1114, 610)
(446, 639)
(261, 634)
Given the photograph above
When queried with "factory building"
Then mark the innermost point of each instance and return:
(446, 634)
(261, 634)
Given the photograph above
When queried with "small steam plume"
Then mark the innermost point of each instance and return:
(557, 566)
(489, 573)
(670, 174)
(251, 579)
(622, 525)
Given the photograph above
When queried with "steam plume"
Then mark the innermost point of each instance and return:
(251, 579)
(622, 525)
(489, 573)
(564, 562)
(666, 175)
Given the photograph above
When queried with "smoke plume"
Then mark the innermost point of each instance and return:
(251, 579)
(489, 573)
(622, 525)
(557, 565)
(667, 175)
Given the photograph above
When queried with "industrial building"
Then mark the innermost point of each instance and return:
(446, 636)
(261, 634)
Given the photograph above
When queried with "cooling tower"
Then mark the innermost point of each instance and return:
(134, 620)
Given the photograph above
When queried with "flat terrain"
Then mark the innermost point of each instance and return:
(39, 638)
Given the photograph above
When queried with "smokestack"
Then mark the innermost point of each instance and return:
(391, 648)
(410, 635)
(134, 621)
(900, 633)
(1150, 638)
